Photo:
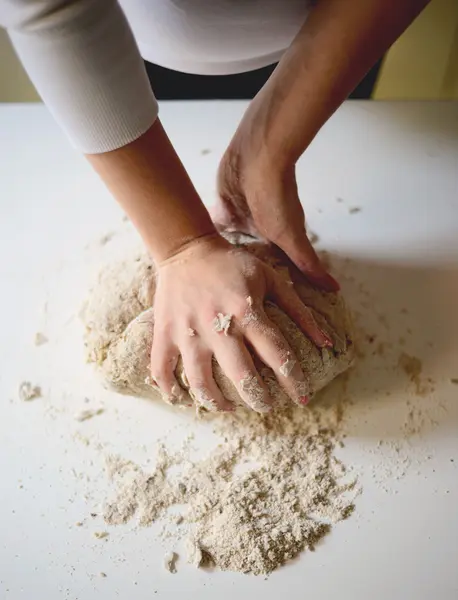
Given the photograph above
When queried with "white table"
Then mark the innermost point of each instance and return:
(399, 164)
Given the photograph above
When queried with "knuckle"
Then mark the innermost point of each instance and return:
(163, 330)
(197, 366)
(197, 381)
(161, 367)
(157, 362)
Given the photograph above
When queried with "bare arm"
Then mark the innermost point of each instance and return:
(337, 45)
(151, 184)
(340, 41)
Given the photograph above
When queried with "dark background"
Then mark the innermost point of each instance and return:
(172, 85)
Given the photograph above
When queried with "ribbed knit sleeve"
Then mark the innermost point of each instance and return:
(84, 61)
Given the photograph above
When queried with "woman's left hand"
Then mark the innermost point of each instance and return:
(262, 200)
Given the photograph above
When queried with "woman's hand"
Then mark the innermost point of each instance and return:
(209, 303)
(263, 201)
(336, 46)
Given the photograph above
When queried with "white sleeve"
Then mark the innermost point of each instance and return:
(83, 59)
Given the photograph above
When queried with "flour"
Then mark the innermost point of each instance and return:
(287, 367)
(291, 495)
(222, 323)
(203, 399)
(40, 339)
(28, 392)
(170, 560)
(254, 394)
(87, 413)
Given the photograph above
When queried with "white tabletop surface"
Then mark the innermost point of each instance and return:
(398, 261)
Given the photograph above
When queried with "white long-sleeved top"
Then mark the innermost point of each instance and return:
(85, 56)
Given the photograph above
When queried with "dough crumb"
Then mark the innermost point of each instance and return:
(106, 238)
(177, 393)
(287, 366)
(355, 209)
(203, 399)
(28, 392)
(191, 332)
(194, 553)
(170, 560)
(222, 323)
(87, 413)
(101, 535)
(102, 574)
(249, 301)
(40, 339)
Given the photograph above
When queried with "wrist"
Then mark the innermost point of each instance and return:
(194, 249)
(264, 142)
(181, 236)
(252, 167)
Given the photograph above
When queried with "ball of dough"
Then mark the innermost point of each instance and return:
(120, 327)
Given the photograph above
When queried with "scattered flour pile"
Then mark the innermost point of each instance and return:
(270, 490)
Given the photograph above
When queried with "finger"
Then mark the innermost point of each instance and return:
(197, 363)
(275, 352)
(303, 255)
(164, 358)
(236, 362)
(286, 298)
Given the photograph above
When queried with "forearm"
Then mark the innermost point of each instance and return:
(83, 59)
(151, 184)
(340, 41)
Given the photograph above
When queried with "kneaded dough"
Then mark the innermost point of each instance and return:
(119, 329)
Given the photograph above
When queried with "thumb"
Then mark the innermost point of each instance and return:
(302, 254)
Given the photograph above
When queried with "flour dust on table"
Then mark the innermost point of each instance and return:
(271, 489)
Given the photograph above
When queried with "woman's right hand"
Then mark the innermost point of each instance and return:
(210, 303)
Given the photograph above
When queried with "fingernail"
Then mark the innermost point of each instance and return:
(325, 282)
(304, 400)
(331, 284)
(328, 343)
